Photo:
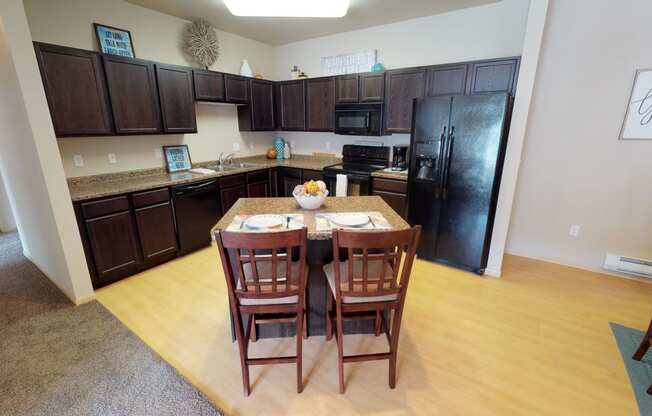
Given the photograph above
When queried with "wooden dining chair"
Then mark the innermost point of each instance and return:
(643, 348)
(371, 282)
(269, 286)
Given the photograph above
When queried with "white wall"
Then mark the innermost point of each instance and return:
(7, 222)
(30, 163)
(574, 169)
(156, 36)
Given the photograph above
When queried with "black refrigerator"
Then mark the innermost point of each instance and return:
(458, 146)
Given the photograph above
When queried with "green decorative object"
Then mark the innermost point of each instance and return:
(377, 67)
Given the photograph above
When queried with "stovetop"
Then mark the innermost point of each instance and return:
(358, 168)
(362, 160)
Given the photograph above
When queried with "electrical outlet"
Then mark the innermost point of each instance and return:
(158, 153)
(574, 231)
(113, 158)
(236, 146)
(78, 160)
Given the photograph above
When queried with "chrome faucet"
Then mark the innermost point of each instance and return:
(221, 160)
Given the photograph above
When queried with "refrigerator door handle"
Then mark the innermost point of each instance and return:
(447, 163)
(439, 162)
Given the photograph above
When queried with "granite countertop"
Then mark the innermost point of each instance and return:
(399, 176)
(249, 206)
(96, 186)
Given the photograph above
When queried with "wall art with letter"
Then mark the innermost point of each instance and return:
(638, 119)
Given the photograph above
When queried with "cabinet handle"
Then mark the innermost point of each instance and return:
(439, 164)
(449, 152)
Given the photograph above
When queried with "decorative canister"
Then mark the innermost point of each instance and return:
(279, 145)
(245, 69)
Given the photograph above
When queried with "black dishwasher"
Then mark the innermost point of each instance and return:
(197, 209)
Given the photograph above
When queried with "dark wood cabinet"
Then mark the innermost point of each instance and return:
(372, 87)
(114, 246)
(320, 104)
(394, 192)
(74, 85)
(314, 175)
(209, 85)
(176, 97)
(156, 231)
(259, 114)
(134, 96)
(498, 75)
(346, 87)
(258, 190)
(229, 196)
(292, 105)
(402, 87)
(288, 178)
(447, 79)
(236, 89)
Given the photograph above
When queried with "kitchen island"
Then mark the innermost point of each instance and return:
(319, 251)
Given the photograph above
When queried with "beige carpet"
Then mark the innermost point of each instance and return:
(57, 359)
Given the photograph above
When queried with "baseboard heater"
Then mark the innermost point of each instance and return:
(629, 265)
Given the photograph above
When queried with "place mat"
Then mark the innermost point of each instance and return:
(238, 225)
(378, 222)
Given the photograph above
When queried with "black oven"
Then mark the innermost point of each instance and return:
(359, 119)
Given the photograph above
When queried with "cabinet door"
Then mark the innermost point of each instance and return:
(289, 183)
(230, 196)
(403, 86)
(209, 86)
(320, 103)
(372, 87)
(447, 80)
(258, 190)
(236, 89)
(292, 105)
(74, 85)
(493, 76)
(158, 237)
(134, 97)
(176, 97)
(262, 105)
(113, 242)
(315, 175)
(346, 87)
(398, 202)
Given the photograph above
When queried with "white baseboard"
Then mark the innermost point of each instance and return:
(491, 272)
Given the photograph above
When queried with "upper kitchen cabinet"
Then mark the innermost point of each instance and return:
(497, 75)
(372, 87)
(259, 114)
(402, 87)
(236, 89)
(74, 85)
(209, 86)
(292, 105)
(347, 89)
(176, 98)
(134, 96)
(447, 79)
(320, 104)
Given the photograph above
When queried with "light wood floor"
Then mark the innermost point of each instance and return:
(536, 342)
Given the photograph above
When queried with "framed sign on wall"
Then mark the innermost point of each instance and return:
(177, 158)
(638, 118)
(114, 41)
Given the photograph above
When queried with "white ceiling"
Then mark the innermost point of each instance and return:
(279, 31)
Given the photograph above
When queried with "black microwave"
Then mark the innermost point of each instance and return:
(359, 119)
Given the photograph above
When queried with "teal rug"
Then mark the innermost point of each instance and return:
(640, 372)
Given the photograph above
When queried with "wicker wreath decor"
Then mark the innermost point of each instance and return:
(200, 43)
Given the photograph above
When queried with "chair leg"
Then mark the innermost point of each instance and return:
(645, 345)
(377, 326)
(396, 329)
(305, 324)
(252, 335)
(300, 326)
(242, 348)
(329, 318)
(340, 348)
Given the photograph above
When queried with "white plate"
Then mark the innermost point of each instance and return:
(265, 221)
(350, 220)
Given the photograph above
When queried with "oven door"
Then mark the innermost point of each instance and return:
(357, 185)
(358, 119)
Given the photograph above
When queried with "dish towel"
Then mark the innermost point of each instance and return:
(341, 185)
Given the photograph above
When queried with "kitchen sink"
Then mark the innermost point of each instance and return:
(233, 166)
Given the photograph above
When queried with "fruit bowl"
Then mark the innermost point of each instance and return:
(310, 195)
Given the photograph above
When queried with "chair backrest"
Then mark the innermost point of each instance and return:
(263, 263)
(379, 263)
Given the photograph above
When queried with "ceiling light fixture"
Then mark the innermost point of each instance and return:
(288, 8)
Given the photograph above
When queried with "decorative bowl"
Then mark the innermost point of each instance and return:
(310, 201)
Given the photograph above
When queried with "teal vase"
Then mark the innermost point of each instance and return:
(279, 145)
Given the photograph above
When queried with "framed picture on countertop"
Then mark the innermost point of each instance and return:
(114, 41)
(177, 158)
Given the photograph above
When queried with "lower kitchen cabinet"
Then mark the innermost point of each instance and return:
(258, 184)
(288, 179)
(232, 188)
(393, 192)
(156, 230)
